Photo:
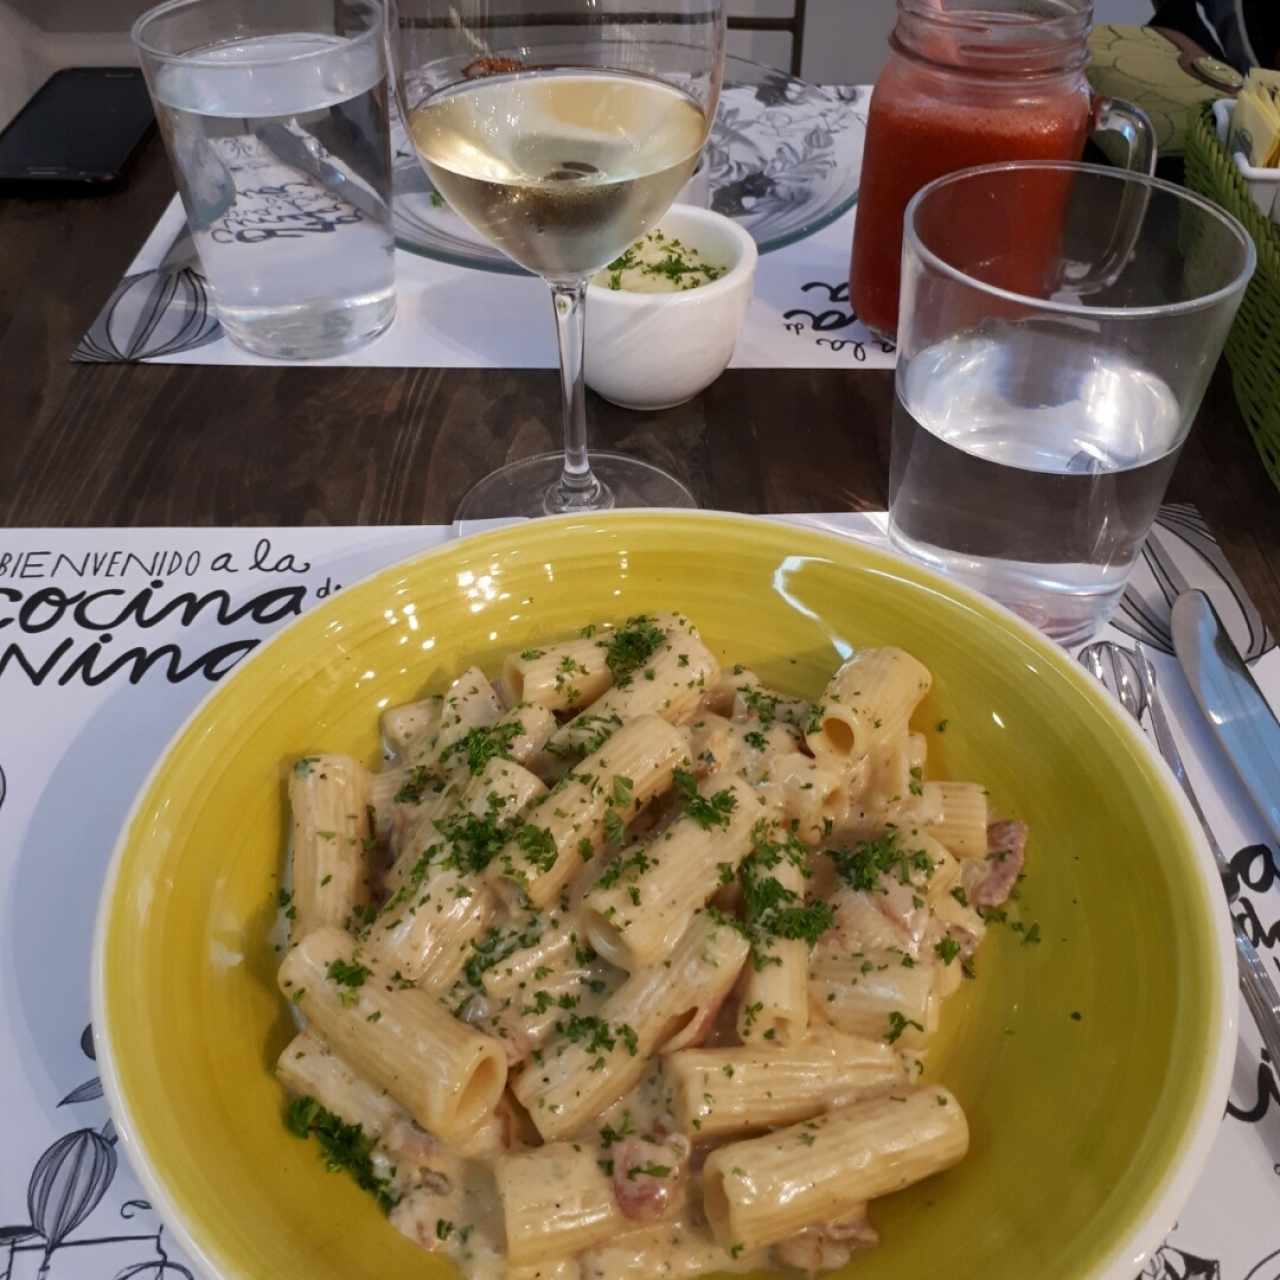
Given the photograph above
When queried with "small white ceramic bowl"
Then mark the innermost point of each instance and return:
(656, 350)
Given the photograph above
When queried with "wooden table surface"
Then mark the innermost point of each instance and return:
(86, 445)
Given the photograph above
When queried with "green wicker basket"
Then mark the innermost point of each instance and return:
(1253, 347)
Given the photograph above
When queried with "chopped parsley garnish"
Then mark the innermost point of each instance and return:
(601, 730)
(764, 706)
(482, 744)
(596, 1036)
(444, 1228)
(1032, 935)
(284, 900)
(898, 1023)
(349, 975)
(610, 1135)
(346, 1147)
(474, 842)
(960, 896)
(631, 646)
(707, 813)
(613, 827)
(493, 947)
(416, 785)
(649, 1171)
(916, 785)
(862, 866)
(305, 767)
(537, 844)
(769, 909)
(947, 950)
(755, 740)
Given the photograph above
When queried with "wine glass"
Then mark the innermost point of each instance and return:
(561, 130)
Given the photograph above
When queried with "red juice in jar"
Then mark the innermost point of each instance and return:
(964, 86)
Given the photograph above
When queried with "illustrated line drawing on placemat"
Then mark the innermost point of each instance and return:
(67, 1184)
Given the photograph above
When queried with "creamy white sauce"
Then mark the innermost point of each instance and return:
(547, 976)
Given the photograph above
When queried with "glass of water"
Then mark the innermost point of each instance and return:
(1060, 323)
(275, 119)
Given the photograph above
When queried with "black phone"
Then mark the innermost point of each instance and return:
(77, 134)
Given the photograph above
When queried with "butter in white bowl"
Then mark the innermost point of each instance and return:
(664, 317)
(658, 263)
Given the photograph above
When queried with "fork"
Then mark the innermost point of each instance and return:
(1113, 666)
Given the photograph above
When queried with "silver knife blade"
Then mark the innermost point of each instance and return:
(293, 150)
(1240, 717)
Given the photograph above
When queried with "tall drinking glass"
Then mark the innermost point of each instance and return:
(562, 130)
(1059, 325)
(275, 119)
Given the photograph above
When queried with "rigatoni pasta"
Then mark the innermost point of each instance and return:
(329, 801)
(627, 963)
(748, 1088)
(447, 1076)
(641, 907)
(765, 1190)
(555, 1202)
(597, 1060)
(869, 700)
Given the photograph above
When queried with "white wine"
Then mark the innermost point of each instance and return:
(562, 169)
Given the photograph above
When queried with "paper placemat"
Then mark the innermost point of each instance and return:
(458, 317)
(109, 638)
(461, 318)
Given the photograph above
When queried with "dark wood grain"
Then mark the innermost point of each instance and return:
(188, 445)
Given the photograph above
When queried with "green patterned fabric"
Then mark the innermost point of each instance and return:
(1141, 66)
(1253, 347)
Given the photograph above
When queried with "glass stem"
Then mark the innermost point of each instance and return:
(578, 488)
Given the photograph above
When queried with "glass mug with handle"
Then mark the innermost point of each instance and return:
(1047, 380)
(967, 85)
(562, 132)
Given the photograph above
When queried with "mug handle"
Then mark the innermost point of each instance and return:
(1114, 115)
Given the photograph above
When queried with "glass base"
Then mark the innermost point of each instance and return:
(531, 487)
(1070, 603)
(321, 330)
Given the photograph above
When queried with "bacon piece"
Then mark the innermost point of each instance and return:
(1007, 847)
(648, 1197)
(829, 1245)
(411, 1146)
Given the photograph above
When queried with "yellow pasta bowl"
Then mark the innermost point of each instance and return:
(1091, 1054)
